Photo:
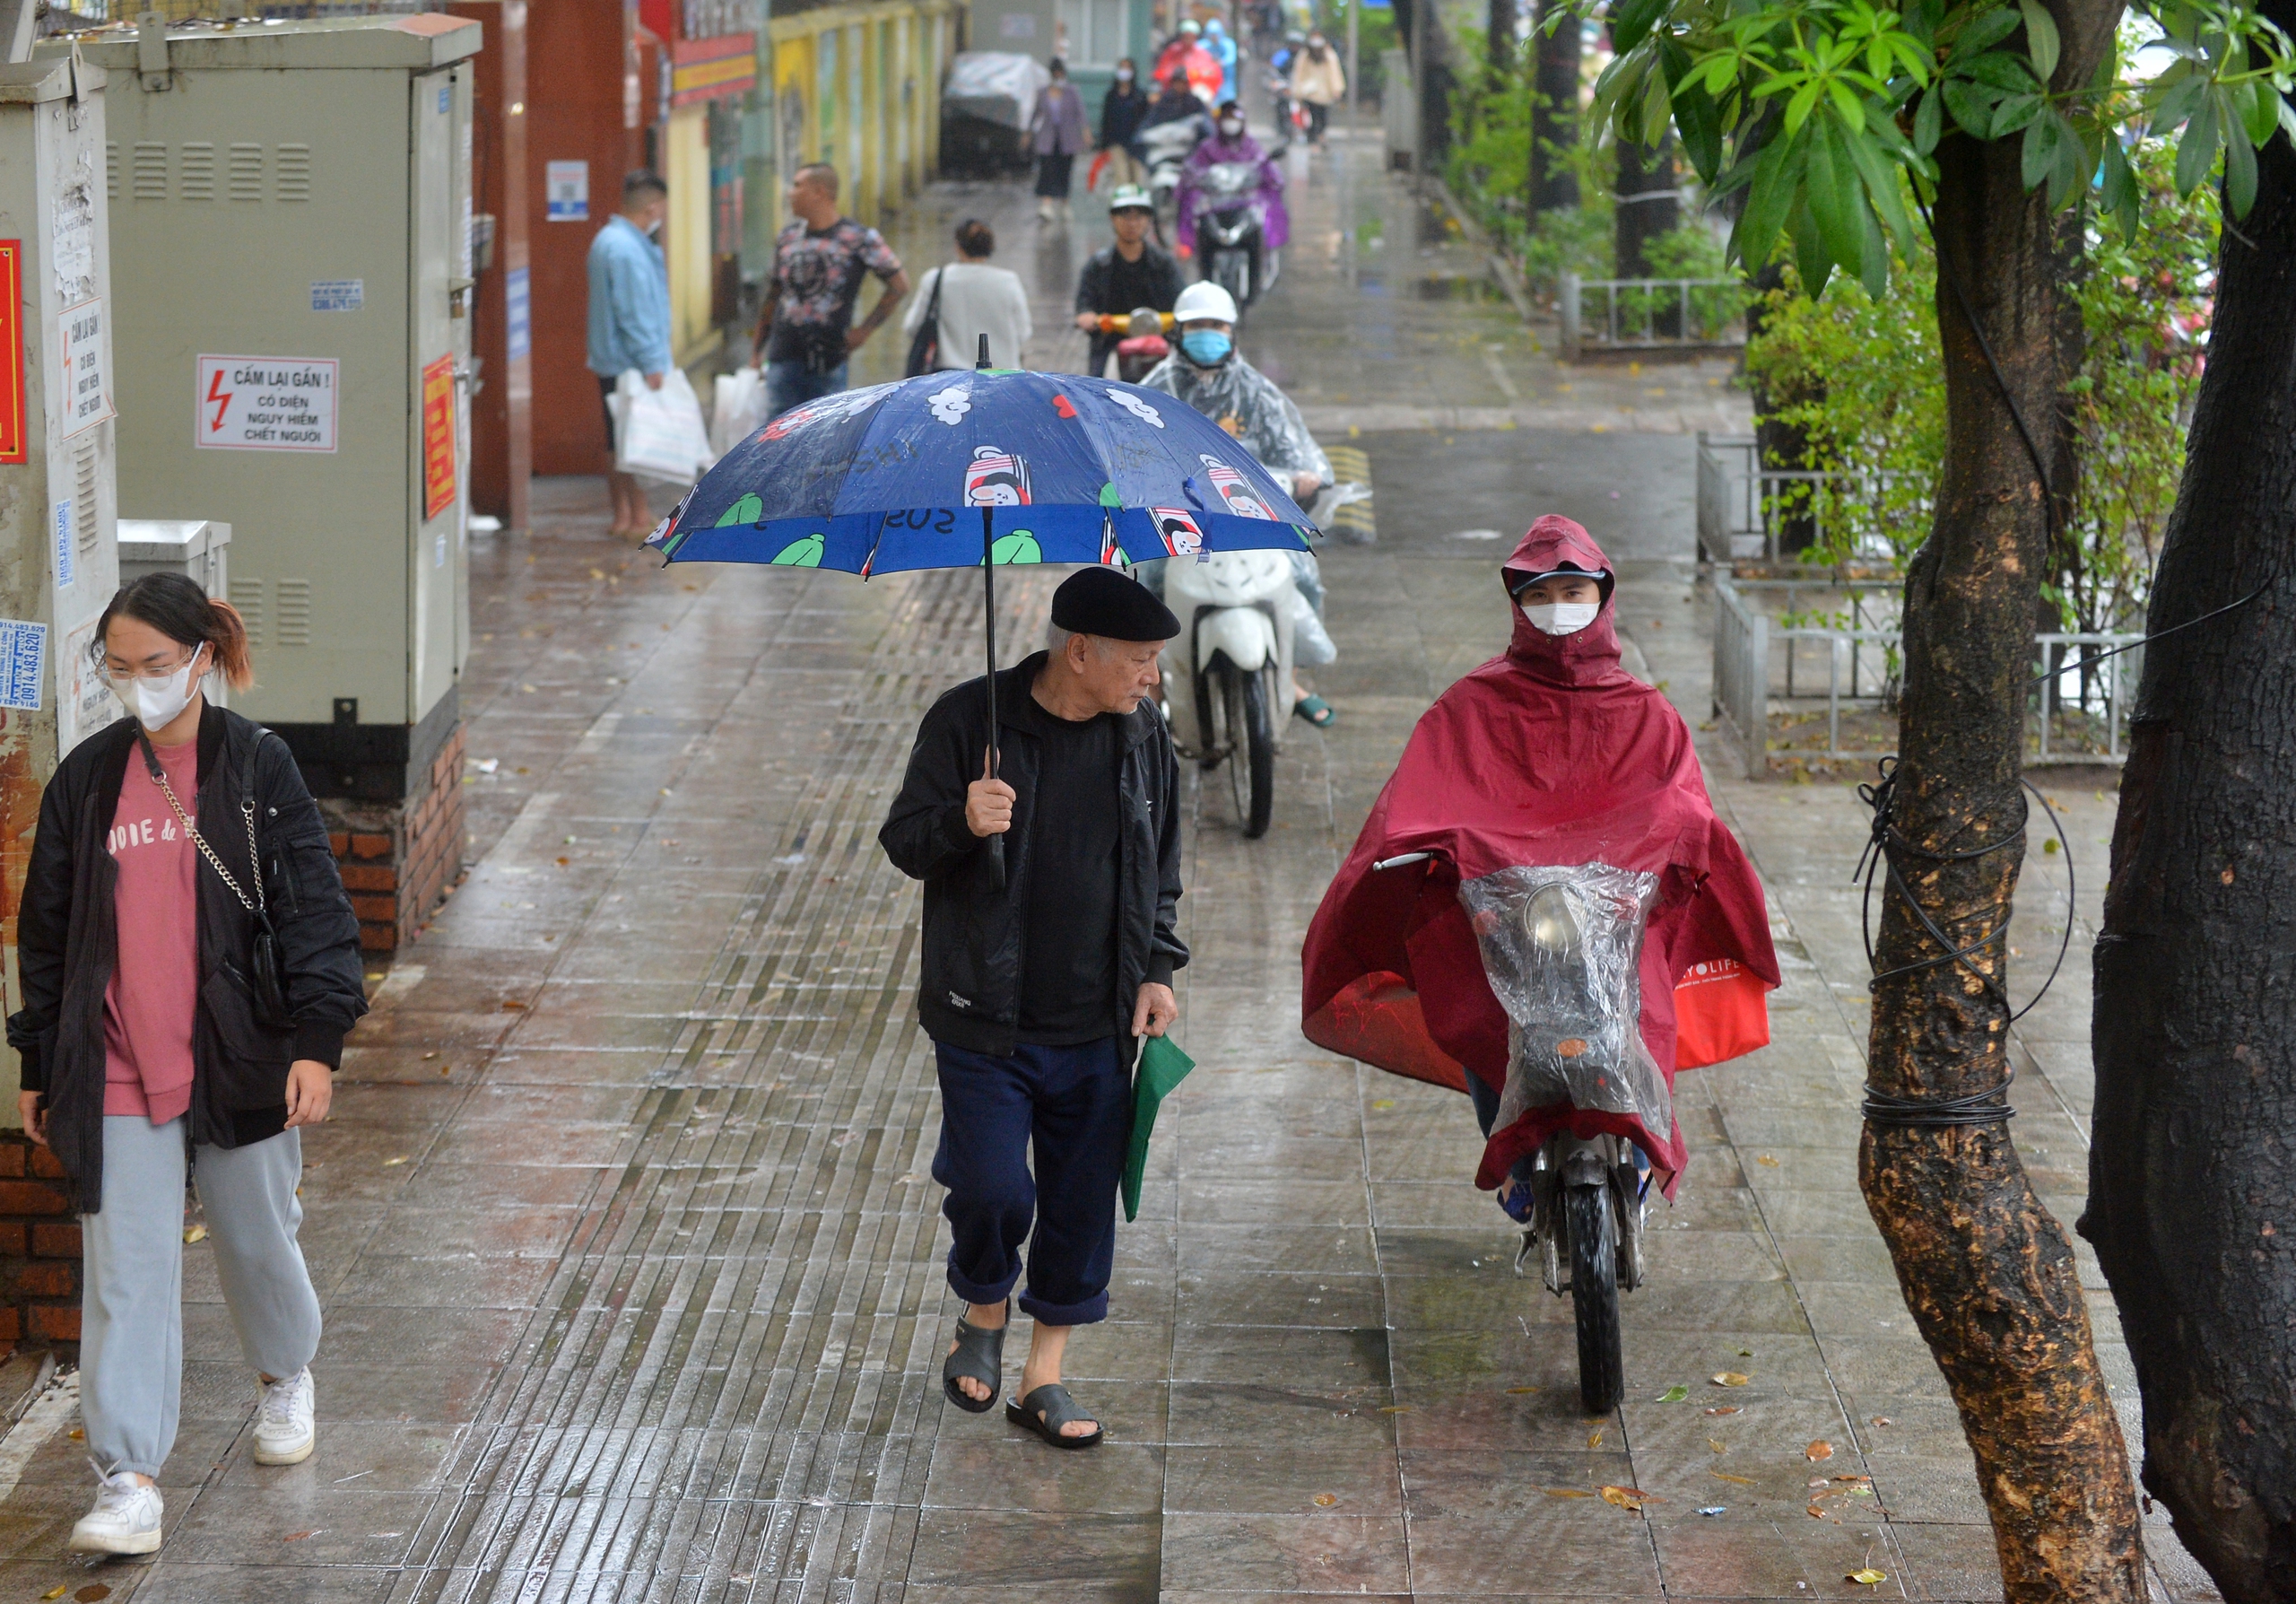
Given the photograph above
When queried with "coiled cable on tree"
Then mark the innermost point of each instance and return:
(1883, 850)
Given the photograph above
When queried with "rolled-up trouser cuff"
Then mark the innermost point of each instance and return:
(1090, 1312)
(981, 1292)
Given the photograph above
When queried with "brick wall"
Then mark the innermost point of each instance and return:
(39, 1247)
(398, 862)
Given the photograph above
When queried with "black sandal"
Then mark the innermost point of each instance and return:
(978, 1354)
(1045, 1410)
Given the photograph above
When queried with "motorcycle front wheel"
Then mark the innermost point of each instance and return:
(1593, 1226)
(1252, 728)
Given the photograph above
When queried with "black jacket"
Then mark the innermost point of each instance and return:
(67, 941)
(968, 988)
(1122, 110)
(1093, 294)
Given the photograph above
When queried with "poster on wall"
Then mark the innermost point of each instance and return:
(566, 191)
(11, 351)
(438, 437)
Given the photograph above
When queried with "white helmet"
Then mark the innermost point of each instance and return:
(1203, 300)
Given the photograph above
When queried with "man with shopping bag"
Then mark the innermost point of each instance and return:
(630, 325)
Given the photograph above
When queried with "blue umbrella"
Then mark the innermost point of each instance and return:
(1060, 468)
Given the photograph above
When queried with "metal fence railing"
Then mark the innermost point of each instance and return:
(1649, 314)
(1768, 687)
(1745, 509)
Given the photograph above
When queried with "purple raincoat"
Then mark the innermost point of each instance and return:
(1275, 222)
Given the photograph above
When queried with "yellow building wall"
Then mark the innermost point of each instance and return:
(847, 66)
(687, 233)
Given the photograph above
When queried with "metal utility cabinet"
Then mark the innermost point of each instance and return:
(291, 251)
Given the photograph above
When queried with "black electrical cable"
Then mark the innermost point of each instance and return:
(1883, 848)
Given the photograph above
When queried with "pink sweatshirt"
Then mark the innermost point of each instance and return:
(152, 1002)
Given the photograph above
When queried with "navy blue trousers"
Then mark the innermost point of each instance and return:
(1074, 1105)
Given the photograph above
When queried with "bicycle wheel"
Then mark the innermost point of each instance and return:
(1594, 1296)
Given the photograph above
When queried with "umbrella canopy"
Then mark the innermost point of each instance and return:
(1061, 467)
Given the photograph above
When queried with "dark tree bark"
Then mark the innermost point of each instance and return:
(1648, 202)
(2192, 1191)
(1778, 444)
(1987, 1274)
(1499, 27)
(1554, 109)
(1419, 24)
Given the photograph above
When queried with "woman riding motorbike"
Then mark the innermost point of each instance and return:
(1229, 142)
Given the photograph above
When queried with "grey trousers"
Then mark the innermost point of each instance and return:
(131, 1318)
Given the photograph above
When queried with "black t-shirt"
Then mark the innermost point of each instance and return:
(1068, 942)
(1112, 285)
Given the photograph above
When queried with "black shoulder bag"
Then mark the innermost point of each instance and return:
(266, 978)
(925, 350)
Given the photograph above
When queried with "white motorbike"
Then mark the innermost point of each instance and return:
(1228, 676)
(1167, 146)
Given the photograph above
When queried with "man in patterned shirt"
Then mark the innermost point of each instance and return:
(805, 331)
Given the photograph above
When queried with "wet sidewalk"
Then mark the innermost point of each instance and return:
(631, 1260)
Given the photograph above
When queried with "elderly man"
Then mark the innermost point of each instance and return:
(1051, 870)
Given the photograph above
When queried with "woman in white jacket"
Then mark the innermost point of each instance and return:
(972, 299)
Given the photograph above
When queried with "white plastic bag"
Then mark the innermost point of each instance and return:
(738, 409)
(659, 434)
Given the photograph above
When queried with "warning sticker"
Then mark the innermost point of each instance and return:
(87, 387)
(267, 403)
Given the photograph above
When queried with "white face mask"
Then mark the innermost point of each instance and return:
(1561, 618)
(157, 702)
(1230, 128)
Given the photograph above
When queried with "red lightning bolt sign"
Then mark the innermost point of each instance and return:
(219, 396)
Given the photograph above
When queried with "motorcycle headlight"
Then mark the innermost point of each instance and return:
(1551, 923)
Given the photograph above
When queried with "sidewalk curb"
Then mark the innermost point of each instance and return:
(1500, 268)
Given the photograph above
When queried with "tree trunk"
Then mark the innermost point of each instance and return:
(1987, 1274)
(1499, 45)
(1554, 111)
(1648, 202)
(2192, 1191)
(1419, 24)
(1778, 444)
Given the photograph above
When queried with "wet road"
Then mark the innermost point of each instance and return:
(632, 1262)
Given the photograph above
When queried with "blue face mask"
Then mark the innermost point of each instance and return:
(1206, 347)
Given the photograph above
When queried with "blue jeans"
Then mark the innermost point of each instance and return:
(790, 384)
(1074, 1105)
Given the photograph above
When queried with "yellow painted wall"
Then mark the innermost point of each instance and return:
(847, 64)
(687, 233)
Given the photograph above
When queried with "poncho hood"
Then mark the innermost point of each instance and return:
(1551, 755)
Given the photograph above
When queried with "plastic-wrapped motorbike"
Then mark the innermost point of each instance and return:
(1228, 231)
(1562, 949)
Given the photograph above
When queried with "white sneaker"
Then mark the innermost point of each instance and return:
(125, 1521)
(285, 1429)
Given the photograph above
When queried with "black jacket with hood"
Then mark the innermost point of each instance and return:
(969, 986)
(67, 941)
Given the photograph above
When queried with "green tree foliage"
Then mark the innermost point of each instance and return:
(1862, 377)
(1815, 107)
(1489, 169)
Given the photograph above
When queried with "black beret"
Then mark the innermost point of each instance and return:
(1101, 601)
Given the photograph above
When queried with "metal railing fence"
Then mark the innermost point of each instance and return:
(1634, 308)
(1744, 508)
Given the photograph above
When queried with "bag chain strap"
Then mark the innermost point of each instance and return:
(255, 859)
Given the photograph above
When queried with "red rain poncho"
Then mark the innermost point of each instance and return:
(1551, 755)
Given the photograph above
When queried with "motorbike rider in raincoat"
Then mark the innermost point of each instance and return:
(1230, 142)
(1207, 372)
(1551, 755)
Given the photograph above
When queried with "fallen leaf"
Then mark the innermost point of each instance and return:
(1717, 1446)
(1384, 1102)
(91, 1593)
(1765, 1158)
(1861, 1492)
(1326, 1499)
(390, 1162)
(54, 1592)
(77, 1434)
(1883, 1420)
(1729, 1378)
(1814, 1512)
(1673, 1394)
(1520, 1391)
(1568, 1492)
(1867, 1577)
(1624, 1497)
(197, 1233)
(1743, 1481)
(1724, 1409)
(1594, 1438)
(297, 1536)
(1396, 1410)
(1745, 1352)
(561, 863)
(1818, 1451)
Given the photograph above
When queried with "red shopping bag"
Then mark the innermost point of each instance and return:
(1721, 1011)
(1093, 173)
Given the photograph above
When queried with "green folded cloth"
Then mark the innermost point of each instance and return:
(1163, 1066)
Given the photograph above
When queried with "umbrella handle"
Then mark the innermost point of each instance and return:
(989, 594)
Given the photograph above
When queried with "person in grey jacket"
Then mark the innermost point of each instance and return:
(1058, 134)
(1052, 878)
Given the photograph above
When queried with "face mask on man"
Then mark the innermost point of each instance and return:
(1561, 618)
(156, 703)
(1206, 347)
(1232, 127)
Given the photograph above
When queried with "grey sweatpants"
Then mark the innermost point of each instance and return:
(131, 1318)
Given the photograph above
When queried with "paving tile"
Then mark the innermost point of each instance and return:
(1359, 1554)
